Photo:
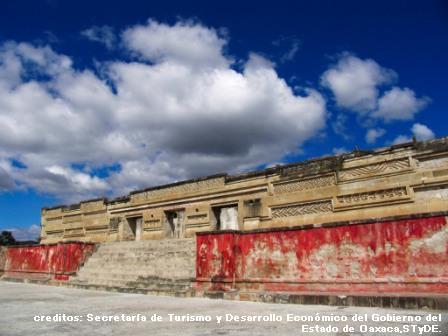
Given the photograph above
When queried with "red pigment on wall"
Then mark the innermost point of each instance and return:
(393, 256)
(58, 260)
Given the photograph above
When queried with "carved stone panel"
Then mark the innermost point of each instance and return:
(373, 198)
(376, 169)
(181, 188)
(302, 209)
(433, 163)
(114, 222)
(301, 185)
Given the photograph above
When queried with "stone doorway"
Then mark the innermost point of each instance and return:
(175, 224)
(134, 229)
(225, 217)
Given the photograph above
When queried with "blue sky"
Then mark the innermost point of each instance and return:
(99, 99)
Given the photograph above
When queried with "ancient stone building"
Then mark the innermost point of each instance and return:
(367, 228)
(398, 180)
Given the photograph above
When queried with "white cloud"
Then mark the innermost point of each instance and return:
(354, 82)
(373, 134)
(102, 34)
(401, 139)
(339, 126)
(399, 104)
(422, 132)
(27, 233)
(187, 113)
(6, 180)
(186, 42)
(340, 150)
(419, 131)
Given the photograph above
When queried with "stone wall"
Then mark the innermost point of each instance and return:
(396, 181)
(2, 259)
(56, 261)
(401, 256)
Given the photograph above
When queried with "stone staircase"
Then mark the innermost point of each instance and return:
(162, 267)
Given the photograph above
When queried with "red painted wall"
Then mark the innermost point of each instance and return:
(394, 256)
(58, 260)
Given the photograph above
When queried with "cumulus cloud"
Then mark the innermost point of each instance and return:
(354, 82)
(399, 104)
(422, 132)
(31, 232)
(339, 126)
(176, 111)
(419, 131)
(373, 134)
(6, 181)
(101, 34)
(356, 85)
(400, 139)
(186, 43)
(340, 150)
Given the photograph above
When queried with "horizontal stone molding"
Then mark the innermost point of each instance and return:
(96, 231)
(152, 224)
(199, 218)
(197, 225)
(74, 232)
(52, 234)
(72, 219)
(53, 227)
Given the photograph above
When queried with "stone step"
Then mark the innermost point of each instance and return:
(180, 243)
(165, 266)
(172, 249)
(141, 263)
(142, 255)
(147, 264)
(151, 285)
(136, 267)
(107, 247)
(130, 276)
(144, 266)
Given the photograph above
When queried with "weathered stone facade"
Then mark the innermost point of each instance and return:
(399, 180)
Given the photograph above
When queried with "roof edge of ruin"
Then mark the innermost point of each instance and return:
(436, 145)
